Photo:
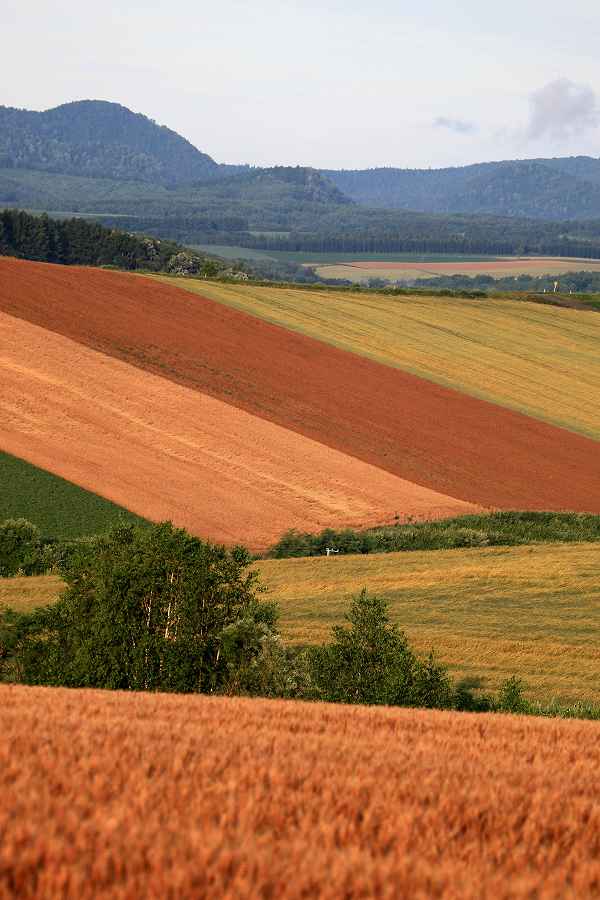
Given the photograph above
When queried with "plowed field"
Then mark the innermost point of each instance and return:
(539, 360)
(167, 452)
(155, 796)
(454, 444)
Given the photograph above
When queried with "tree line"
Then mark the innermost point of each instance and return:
(78, 241)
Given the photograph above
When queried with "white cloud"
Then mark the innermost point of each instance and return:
(458, 126)
(562, 109)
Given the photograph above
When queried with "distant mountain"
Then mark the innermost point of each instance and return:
(551, 189)
(99, 140)
(102, 160)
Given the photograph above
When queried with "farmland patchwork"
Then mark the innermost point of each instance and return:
(178, 406)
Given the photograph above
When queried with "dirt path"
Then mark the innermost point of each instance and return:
(457, 445)
(167, 452)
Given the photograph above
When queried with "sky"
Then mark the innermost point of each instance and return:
(338, 84)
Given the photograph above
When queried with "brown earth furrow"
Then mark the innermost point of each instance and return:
(167, 452)
(458, 445)
(125, 796)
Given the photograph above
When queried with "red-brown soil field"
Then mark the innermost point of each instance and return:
(457, 445)
(161, 796)
(167, 452)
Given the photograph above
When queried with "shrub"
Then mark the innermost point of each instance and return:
(21, 549)
(371, 662)
(144, 609)
(510, 697)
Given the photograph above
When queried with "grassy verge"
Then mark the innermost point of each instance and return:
(500, 529)
(59, 508)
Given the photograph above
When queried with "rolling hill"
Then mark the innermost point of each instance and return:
(540, 360)
(169, 452)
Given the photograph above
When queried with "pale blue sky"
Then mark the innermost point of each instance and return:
(348, 84)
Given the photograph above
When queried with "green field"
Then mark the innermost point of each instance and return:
(540, 360)
(59, 508)
(493, 612)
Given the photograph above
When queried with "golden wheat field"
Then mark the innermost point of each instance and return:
(122, 796)
(537, 359)
(492, 612)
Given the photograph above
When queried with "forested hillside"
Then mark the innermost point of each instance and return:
(271, 199)
(543, 189)
(101, 140)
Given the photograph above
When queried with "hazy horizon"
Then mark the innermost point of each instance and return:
(335, 88)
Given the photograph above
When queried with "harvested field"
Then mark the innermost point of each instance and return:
(360, 274)
(26, 593)
(491, 612)
(453, 444)
(536, 359)
(361, 270)
(130, 795)
(167, 452)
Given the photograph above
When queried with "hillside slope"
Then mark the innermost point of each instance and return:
(167, 452)
(449, 442)
(136, 795)
(488, 612)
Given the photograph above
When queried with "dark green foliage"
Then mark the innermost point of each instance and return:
(59, 509)
(370, 662)
(575, 282)
(81, 242)
(22, 550)
(510, 697)
(486, 530)
(144, 609)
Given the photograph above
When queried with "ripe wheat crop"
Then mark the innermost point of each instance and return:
(159, 796)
